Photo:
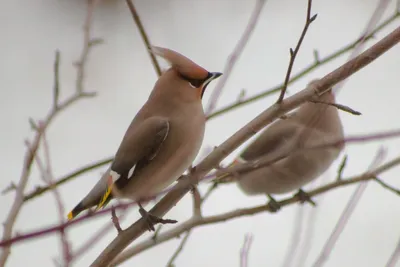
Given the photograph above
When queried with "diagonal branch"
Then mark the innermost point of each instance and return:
(146, 40)
(178, 250)
(43, 189)
(234, 56)
(266, 117)
(293, 53)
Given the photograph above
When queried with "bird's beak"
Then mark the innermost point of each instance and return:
(211, 76)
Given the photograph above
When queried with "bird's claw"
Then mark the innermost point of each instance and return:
(273, 205)
(304, 197)
(152, 220)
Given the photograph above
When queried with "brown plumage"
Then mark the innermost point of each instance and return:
(162, 140)
(310, 125)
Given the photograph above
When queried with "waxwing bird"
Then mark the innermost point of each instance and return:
(312, 124)
(163, 138)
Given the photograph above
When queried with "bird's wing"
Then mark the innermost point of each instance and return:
(138, 147)
(273, 139)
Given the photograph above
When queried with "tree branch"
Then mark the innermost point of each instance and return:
(244, 251)
(346, 214)
(178, 250)
(234, 56)
(212, 160)
(293, 54)
(43, 189)
(146, 40)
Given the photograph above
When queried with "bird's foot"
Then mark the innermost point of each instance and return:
(304, 197)
(152, 220)
(273, 205)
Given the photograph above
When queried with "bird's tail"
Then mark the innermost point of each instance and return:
(100, 202)
(75, 211)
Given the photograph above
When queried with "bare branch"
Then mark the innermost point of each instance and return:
(234, 56)
(351, 205)
(197, 222)
(296, 237)
(387, 186)
(146, 40)
(39, 190)
(214, 158)
(47, 176)
(197, 200)
(115, 220)
(96, 237)
(293, 53)
(305, 71)
(244, 251)
(394, 258)
(178, 250)
(56, 87)
(369, 28)
(341, 168)
(338, 106)
(87, 44)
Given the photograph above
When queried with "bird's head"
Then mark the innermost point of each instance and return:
(184, 75)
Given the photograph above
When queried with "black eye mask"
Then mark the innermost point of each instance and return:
(197, 83)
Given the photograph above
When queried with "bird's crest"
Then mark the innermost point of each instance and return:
(182, 64)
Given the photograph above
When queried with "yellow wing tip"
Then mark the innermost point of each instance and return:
(70, 216)
(105, 197)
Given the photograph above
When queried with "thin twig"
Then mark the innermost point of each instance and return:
(338, 106)
(293, 53)
(56, 87)
(178, 250)
(146, 40)
(39, 190)
(197, 201)
(88, 43)
(314, 65)
(296, 237)
(96, 237)
(341, 168)
(394, 258)
(47, 176)
(115, 220)
(387, 186)
(235, 55)
(369, 28)
(348, 211)
(210, 189)
(308, 232)
(192, 223)
(245, 250)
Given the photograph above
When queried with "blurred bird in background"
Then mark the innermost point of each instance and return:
(312, 124)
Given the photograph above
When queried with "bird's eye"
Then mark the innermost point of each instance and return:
(194, 83)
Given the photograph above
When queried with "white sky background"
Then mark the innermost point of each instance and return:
(121, 72)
